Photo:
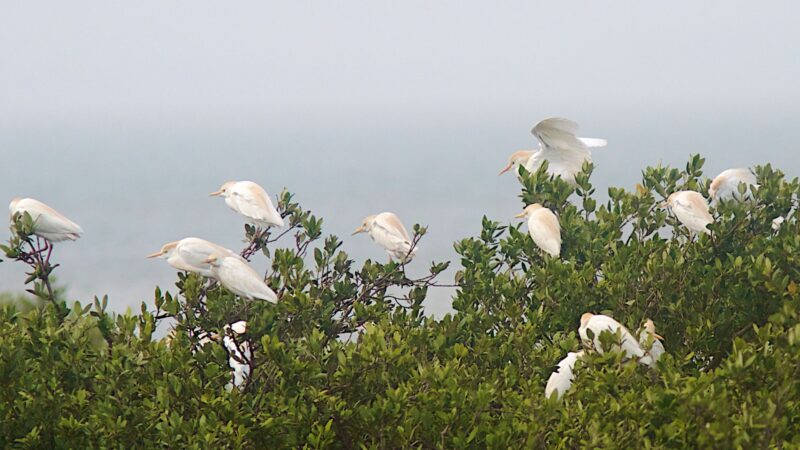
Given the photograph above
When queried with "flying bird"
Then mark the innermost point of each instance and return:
(649, 338)
(561, 379)
(47, 222)
(726, 185)
(251, 201)
(691, 210)
(387, 230)
(543, 227)
(238, 277)
(559, 145)
(599, 323)
(190, 254)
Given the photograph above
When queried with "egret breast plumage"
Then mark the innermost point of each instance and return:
(190, 254)
(725, 186)
(691, 209)
(237, 276)
(251, 201)
(543, 227)
(560, 146)
(599, 323)
(560, 380)
(388, 232)
(47, 222)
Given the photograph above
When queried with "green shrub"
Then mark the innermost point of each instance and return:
(727, 305)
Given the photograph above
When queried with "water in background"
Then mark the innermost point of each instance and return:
(136, 184)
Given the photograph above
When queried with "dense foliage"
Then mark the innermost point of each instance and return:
(726, 303)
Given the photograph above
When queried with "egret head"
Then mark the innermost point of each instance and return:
(585, 318)
(712, 190)
(670, 200)
(224, 190)
(528, 211)
(650, 327)
(13, 205)
(165, 252)
(366, 224)
(516, 159)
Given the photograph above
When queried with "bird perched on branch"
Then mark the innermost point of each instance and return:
(560, 146)
(726, 185)
(561, 379)
(600, 323)
(543, 227)
(237, 276)
(691, 209)
(48, 223)
(649, 339)
(190, 254)
(251, 201)
(387, 230)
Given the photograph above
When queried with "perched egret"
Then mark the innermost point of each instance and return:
(190, 254)
(238, 277)
(561, 379)
(564, 152)
(387, 230)
(251, 201)
(47, 222)
(646, 336)
(239, 353)
(691, 210)
(543, 227)
(599, 323)
(726, 185)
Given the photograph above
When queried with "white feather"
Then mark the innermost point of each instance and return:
(47, 222)
(599, 323)
(238, 277)
(560, 380)
(564, 152)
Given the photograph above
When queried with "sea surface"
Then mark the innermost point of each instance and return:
(135, 183)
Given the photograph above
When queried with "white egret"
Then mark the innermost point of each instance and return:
(561, 379)
(239, 353)
(726, 185)
(251, 201)
(237, 276)
(190, 254)
(387, 230)
(564, 152)
(599, 323)
(691, 210)
(47, 222)
(543, 227)
(647, 337)
(777, 222)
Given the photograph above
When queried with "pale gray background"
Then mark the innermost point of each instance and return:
(124, 115)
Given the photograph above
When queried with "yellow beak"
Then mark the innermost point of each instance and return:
(663, 205)
(658, 337)
(155, 255)
(506, 168)
(215, 193)
(520, 215)
(358, 230)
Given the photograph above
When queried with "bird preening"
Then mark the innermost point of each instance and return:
(558, 146)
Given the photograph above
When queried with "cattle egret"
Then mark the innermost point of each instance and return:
(517, 160)
(599, 323)
(564, 152)
(561, 379)
(726, 185)
(387, 230)
(691, 210)
(646, 336)
(777, 222)
(190, 254)
(251, 201)
(47, 222)
(238, 277)
(239, 353)
(543, 227)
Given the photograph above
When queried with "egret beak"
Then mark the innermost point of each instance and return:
(155, 255)
(215, 193)
(520, 215)
(658, 337)
(663, 205)
(210, 260)
(358, 230)
(506, 168)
